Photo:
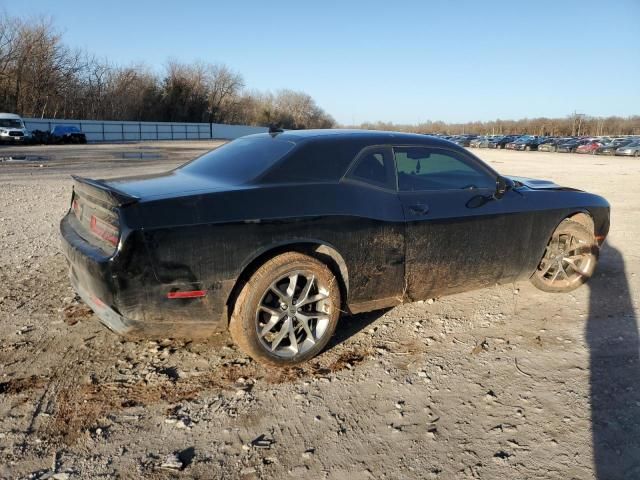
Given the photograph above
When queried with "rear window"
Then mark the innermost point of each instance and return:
(242, 160)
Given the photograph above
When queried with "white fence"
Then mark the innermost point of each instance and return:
(113, 131)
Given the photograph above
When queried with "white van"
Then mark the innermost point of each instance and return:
(12, 129)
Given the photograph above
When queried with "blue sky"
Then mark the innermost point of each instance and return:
(399, 61)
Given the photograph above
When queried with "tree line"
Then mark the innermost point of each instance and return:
(572, 125)
(42, 77)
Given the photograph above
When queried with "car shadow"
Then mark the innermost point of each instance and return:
(348, 326)
(612, 337)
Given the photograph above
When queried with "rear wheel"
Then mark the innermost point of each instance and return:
(569, 259)
(287, 311)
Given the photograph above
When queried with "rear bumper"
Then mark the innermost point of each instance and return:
(108, 317)
(89, 273)
(137, 304)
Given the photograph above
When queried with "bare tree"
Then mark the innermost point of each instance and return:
(224, 87)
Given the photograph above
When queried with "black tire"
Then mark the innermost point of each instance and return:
(248, 315)
(569, 260)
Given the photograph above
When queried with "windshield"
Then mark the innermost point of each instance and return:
(10, 123)
(242, 160)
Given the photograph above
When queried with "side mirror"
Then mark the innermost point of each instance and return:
(502, 186)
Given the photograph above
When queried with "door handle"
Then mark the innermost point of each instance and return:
(419, 209)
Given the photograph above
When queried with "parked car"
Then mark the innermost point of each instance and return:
(570, 146)
(261, 238)
(463, 140)
(589, 147)
(501, 142)
(610, 148)
(475, 143)
(66, 134)
(12, 129)
(551, 145)
(526, 142)
(630, 150)
(484, 143)
(39, 137)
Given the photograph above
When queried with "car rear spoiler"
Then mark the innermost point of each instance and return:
(99, 190)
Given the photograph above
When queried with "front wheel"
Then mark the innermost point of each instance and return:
(569, 259)
(287, 311)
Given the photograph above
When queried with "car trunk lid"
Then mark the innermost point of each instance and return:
(165, 185)
(94, 212)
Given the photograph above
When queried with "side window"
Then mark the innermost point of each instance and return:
(375, 166)
(423, 168)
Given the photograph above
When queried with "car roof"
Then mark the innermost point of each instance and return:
(373, 136)
(9, 116)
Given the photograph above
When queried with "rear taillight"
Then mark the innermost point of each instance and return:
(76, 208)
(104, 230)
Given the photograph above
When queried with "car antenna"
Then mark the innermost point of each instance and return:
(274, 129)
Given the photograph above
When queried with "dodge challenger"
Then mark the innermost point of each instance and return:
(275, 236)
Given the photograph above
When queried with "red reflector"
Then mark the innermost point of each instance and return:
(99, 303)
(187, 294)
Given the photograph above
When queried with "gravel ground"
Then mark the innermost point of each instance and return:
(506, 382)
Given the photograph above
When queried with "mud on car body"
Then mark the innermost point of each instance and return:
(273, 236)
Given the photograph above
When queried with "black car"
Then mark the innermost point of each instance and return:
(66, 134)
(610, 148)
(39, 137)
(501, 142)
(273, 236)
(570, 146)
(526, 143)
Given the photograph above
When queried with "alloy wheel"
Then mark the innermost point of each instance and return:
(568, 259)
(293, 314)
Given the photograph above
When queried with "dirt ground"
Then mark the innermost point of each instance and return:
(506, 382)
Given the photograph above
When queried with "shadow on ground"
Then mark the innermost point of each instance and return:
(612, 336)
(348, 326)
